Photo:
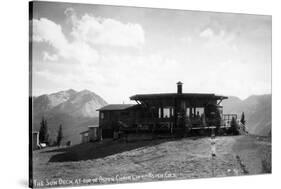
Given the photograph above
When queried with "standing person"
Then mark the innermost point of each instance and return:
(213, 145)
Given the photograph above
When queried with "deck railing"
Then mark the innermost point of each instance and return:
(227, 119)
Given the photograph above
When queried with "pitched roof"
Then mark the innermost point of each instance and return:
(112, 107)
(84, 132)
(93, 126)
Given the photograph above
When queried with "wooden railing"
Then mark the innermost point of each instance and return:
(227, 118)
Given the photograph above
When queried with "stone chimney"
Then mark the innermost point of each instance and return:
(179, 84)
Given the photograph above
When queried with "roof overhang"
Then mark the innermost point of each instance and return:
(84, 132)
(140, 97)
(117, 107)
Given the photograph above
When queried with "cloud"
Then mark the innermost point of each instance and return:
(186, 39)
(93, 42)
(45, 30)
(47, 56)
(71, 15)
(81, 45)
(88, 32)
(219, 41)
(207, 33)
(105, 31)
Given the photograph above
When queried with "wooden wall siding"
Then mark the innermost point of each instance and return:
(150, 113)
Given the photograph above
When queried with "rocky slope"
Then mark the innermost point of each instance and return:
(74, 110)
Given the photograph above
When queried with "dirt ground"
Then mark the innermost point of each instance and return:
(117, 161)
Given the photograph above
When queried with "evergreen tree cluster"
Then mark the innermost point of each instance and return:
(43, 132)
(60, 136)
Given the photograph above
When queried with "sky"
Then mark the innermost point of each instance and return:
(118, 51)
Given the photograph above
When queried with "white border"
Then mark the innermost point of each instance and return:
(14, 90)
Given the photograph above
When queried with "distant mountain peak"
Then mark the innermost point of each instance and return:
(75, 110)
(71, 91)
(82, 104)
(85, 91)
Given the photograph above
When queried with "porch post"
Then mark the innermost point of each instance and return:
(162, 111)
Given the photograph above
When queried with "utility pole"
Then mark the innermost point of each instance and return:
(213, 152)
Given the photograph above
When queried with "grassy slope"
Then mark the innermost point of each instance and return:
(187, 158)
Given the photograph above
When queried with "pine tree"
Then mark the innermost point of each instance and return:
(43, 132)
(242, 120)
(47, 132)
(60, 136)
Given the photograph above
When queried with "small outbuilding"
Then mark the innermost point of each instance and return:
(35, 140)
(111, 114)
(84, 136)
(94, 133)
(91, 135)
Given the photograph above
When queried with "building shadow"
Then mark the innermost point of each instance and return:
(95, 150)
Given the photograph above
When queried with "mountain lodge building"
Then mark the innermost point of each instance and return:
(173, 113)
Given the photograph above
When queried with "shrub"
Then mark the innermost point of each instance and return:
(266, 163)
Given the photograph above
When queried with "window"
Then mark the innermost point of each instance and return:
(166, 113)
(199, 111)
(172, 112)
(102, 115)
(187, 112)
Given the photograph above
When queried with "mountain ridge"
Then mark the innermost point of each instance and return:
(257, 110)
(74, 110)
